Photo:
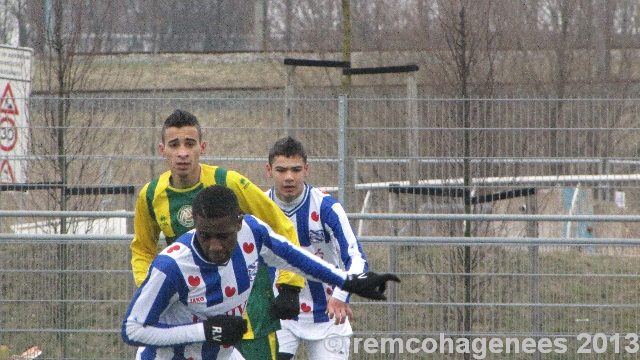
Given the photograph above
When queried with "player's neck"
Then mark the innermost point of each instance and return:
(292, 204)
(186, 180)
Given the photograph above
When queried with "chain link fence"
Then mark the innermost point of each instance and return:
(504, 218)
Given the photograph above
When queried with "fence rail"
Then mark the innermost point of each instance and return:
(99, 285)
(504, 218)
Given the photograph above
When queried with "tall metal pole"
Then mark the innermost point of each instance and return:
(350, 195)
(534, 286)
(289, 93)
(342, 139)
(346, 44)
(414, 144)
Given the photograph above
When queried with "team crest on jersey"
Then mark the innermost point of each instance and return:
(253, 270)
(316, 236)
(185, 216)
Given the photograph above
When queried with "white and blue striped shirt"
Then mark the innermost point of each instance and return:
(324, 231)
(182, 289)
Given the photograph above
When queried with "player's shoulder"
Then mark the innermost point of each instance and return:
(256, 226)
(253, 222)
(208, 168)
(161, 182)
(217, 175)
(317, 191)
(321, 196)
(171, 255)
(232, 178)
(180, 246)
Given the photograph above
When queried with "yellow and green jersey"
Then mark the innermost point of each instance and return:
(162, 208)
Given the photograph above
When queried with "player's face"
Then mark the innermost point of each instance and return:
(182, 149)
(218, 237)
(288, 174)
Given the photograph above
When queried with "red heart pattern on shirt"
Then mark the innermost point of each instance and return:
(229, 291)
(173, 248)
(248, 247)
(315, 216)
(329, 291)
(304, 307)
(194, 280)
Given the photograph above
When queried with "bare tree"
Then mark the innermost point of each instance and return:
(466, 70)
(6, 22)
(65, 130)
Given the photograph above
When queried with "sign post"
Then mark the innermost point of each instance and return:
(15, 87)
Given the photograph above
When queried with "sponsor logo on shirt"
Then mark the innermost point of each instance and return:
(316, 236)
(198, 299)
(238, 310)
(245, 183)
(185, 216)
(253, 270)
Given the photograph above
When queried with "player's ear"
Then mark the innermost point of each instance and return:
(240, 219)
(269, 170)
(203, 146)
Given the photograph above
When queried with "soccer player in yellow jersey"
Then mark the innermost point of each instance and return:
(164, 205)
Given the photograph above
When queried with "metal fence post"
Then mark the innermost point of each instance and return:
(534, 287)
(414, 141)
(342, 146)
(393, 310)
(290, 88)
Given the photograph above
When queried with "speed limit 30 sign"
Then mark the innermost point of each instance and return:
(8, 134)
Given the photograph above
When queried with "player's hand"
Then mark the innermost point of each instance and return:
(338, 309)
(224, 329)
(369, 285)
(287, 304)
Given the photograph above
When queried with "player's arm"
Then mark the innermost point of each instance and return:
(142, 327)
(165, 285)
(279, 253)
(144, 246)
(351, 253)
(255, 202)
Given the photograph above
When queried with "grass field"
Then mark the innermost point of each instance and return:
(171, 72)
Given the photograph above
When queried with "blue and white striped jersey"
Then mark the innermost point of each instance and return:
(182, 289)
(324, 231)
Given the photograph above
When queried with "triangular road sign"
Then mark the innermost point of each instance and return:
(8, 102)
(6, 173)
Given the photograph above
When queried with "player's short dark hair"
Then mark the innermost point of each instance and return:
(215, 202)
(287, 147)
(181, 118)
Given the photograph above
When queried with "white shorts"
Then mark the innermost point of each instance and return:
(226, 353)
(236, 355)
(322, 340)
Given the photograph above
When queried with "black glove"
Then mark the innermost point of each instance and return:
(369, 285)
(287, 304)
(224, 329)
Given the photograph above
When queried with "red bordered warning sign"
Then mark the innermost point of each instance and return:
(8, 134)
(8, 102)
(6, 173)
